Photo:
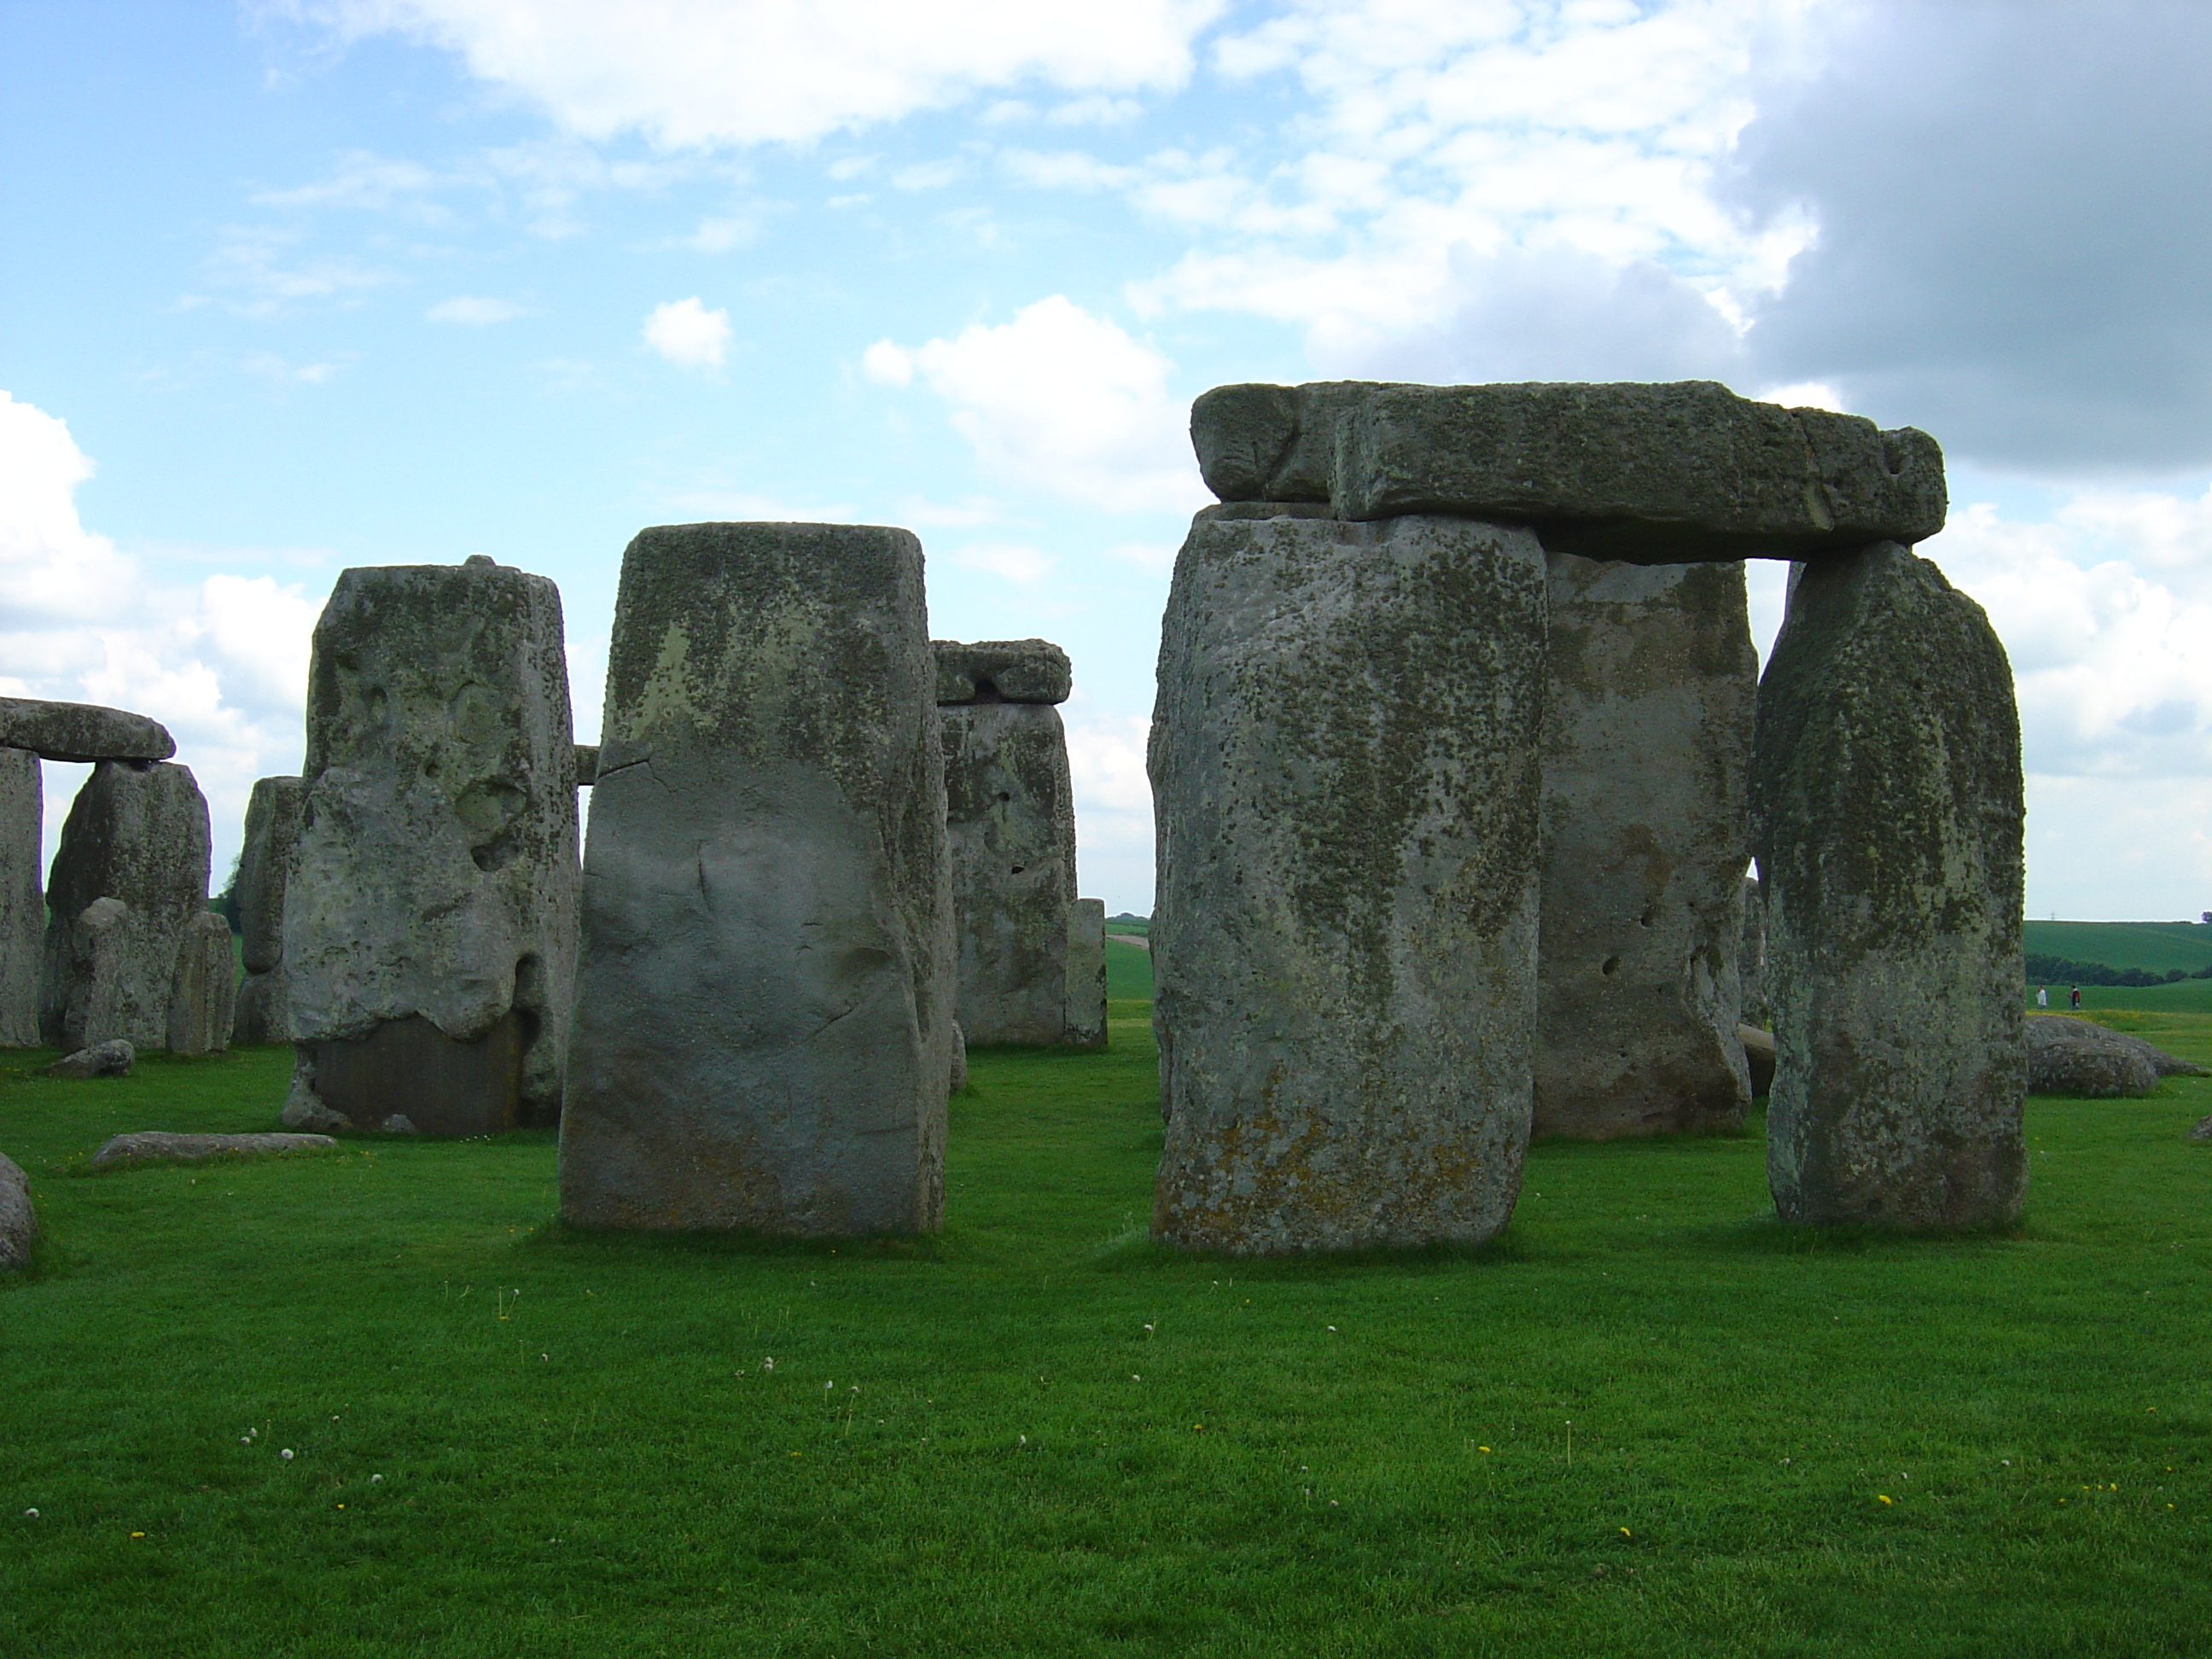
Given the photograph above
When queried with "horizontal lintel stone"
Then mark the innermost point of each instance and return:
(1002, 671)
(81, 732)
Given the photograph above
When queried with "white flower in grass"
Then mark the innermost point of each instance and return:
(286, 1453)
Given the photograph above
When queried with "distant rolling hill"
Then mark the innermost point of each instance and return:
(2159, 947)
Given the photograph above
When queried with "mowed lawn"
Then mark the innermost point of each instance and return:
(1647, 1421)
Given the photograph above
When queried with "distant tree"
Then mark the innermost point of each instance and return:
(2206, 918)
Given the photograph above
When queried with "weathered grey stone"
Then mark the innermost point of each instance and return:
(166, 1146)
(1758, 1056)
(112, 1058)
(1654, 473)
(23, 905)
(262, 1012)
(81, 732)
(203, 994)
(764, 1022)
(2069, 1056)
(136, 835)
(19, 1223)
(1086, 975)
(2164, 1064)
(587, 765)
(1002, 671)
(304, 1107)
(1010, 836)
(1346, 775)
(1751, 957)
(1647, 753)
(398, 1124)
(1886, 814)
(959, 1059)
(430, 921)
(2202, 1131)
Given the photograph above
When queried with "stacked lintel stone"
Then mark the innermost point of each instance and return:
(429, 917)
(130, 948)
(1425, 873)
(764, 997)
(1032, 955)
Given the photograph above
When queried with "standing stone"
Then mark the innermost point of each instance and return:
(130, 875)
(1647, 752)
(19, 1222)
(1886, 814)
(764, 1019)
(1751, 957)
(1086, 975)
(1346, 786)
(202, 993)
(1010, 833)
(23, 905)
(265, 869)
(428, 922)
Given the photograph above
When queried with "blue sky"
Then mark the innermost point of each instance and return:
(288, 288)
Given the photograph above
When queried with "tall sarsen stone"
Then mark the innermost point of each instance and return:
(1886, 814)
(1346, 786)
(1647, 753)
(765, 1029)
(22, 903)
(265, 871)
(429, 919)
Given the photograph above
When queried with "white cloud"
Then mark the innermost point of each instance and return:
(475, 311)
(1112, 808)
(684, 332)
(221, 661)
(724, 72)
(1062, 401)
(1024, 567)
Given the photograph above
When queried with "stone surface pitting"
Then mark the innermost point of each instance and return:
(81, 732)
(1346, 780)
(1002, 671)
(19, 1223)
(1647, 753)
(112, 1058)
(1010, 837)
(765, 1025)
(22, 904)
(1886, 812)
(261, 1013)
(435, 877)
(129, 876)
(1668, 473)
(167, 1146)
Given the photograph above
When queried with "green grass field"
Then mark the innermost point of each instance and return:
(2157, 946)
(1646, 1421)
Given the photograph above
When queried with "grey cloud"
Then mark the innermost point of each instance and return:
(2014, 245)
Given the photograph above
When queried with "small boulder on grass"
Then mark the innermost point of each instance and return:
(19, 1226)
(162, 1145)
(109, 1058)
(2070, 1056)
(2202, 1131)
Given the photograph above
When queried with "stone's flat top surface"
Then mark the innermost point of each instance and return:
(19, 1226)
(164, 1146)
(1654, 473)
(112, 1058)
(81, 732)
(1002, 671)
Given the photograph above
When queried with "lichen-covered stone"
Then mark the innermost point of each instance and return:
(262, 1012)
(1751, 958)
(2069, 1056)
(137, 835)
(434, 878)
(81, 732)
(1345, 764)
(19, 1222)
(764, 1020)
(168, 1146)
(22, 904)
(112, 1058)
(1647, 753)
(202, 989)
(1887, 815)
(1086, 975)
(1658, 474)
(1002, 671)
(587, 765)
(1010, 836)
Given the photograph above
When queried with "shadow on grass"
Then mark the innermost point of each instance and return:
(1136, 1251)
(556, 1235)
(1769, 1235)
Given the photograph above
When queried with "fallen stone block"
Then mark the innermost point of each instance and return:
(112, 1058)
(1657, 474)
(1002, 671)
(1886, 812)
(1347, 774)
(764, 1009)
(81, 732)
(2069, 1056)
(19, 1222)
(2202, 1131)
(165, 1146)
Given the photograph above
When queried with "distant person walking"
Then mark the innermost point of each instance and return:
(2074, 997)
(2043, 996)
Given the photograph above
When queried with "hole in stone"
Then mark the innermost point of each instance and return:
(1018, 868)
(986, 690)
(496, 854)
(1612, 967)
(1649, 911)
(1003, 795)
